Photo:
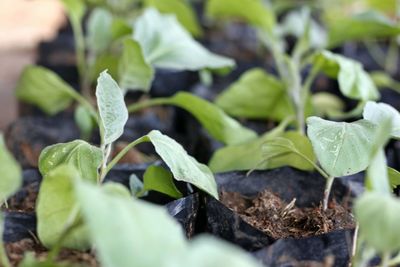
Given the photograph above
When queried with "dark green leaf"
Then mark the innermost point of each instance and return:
(394, 177)
(158, 179)
(43, 88)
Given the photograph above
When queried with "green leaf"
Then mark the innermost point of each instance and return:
(291, 149)
(161, 49)
(254, 12)
(112, 109)
(354, 81)
(245, 156)
(57, 207)
(99, 35)
(43, 88)
(125, 230)
(136, 186)
(377, 112)
(76, 9)
(158, 179)
(394, 177)
(342, 148)
(11, 174)
(378, 216)
(183, 12)
(257, 95)
(85, 122)
(134, 72)
(369, 24)
(377, 178)
(220, 126)
(105, 61)
(120, 28)
(183, 167)
(84, 157)
(326, 104)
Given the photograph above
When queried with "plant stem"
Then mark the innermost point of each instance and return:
(106, 154)
(385, 259)
(122, 153)
(148, 103)
(395, 260)
(354, 246)
(392, 57)
(84, 102)
(327, 192)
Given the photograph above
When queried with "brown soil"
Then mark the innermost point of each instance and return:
(17, 250)
(279, 219)
(27, 204)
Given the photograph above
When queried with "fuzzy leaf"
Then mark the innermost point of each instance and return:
(106, 214)
(112, 109)
(257, 95)
(99, 34)
(84, 157)
(55, 205)
(254, 12)
(378, 216)
(43, 88)
(183, 12)
(354, 81)
(342, 148)
(183, 167)
(161, 48)
(134, 72)
(11, 174)
(377, 112)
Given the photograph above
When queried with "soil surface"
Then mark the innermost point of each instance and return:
(17, 250)
(279, 219)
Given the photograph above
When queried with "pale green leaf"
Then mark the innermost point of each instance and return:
(136, 186)
(254, 12)
(84, 121)
(158, 179)
(183, 167)
(354, 81)
(377, 178)
(125, 231)
(57, 206)
(134, 72)
(76, 9)
(326, 104)
(105, 61)
(43, 88)
(219, 125)
(342, 148)
(99, 35)
(377, 112)
(84, 157)
(11, 174)
(175, 48)
(183, 12)
(378, 216)
(370, 24)
(291, 149)
(112, 109)
(257, 95)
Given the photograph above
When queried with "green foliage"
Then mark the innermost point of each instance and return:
(158, 179)
(368, 25)
(161, 49)
(43, 88)
(76, 9)
(378, 112)
(107, 214)
(257, 95)
(183, 167)
(254, 12)
(342, 148)
(354, 81)
(394, 177)
(124, 231)
(99, 35)
(11, 174)
(134, 71)
(220, 126)
(378, 216)
(326, 104)
(57, 209)
(84, 121)
(183, 12)
(112, 109)
(84, 157)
